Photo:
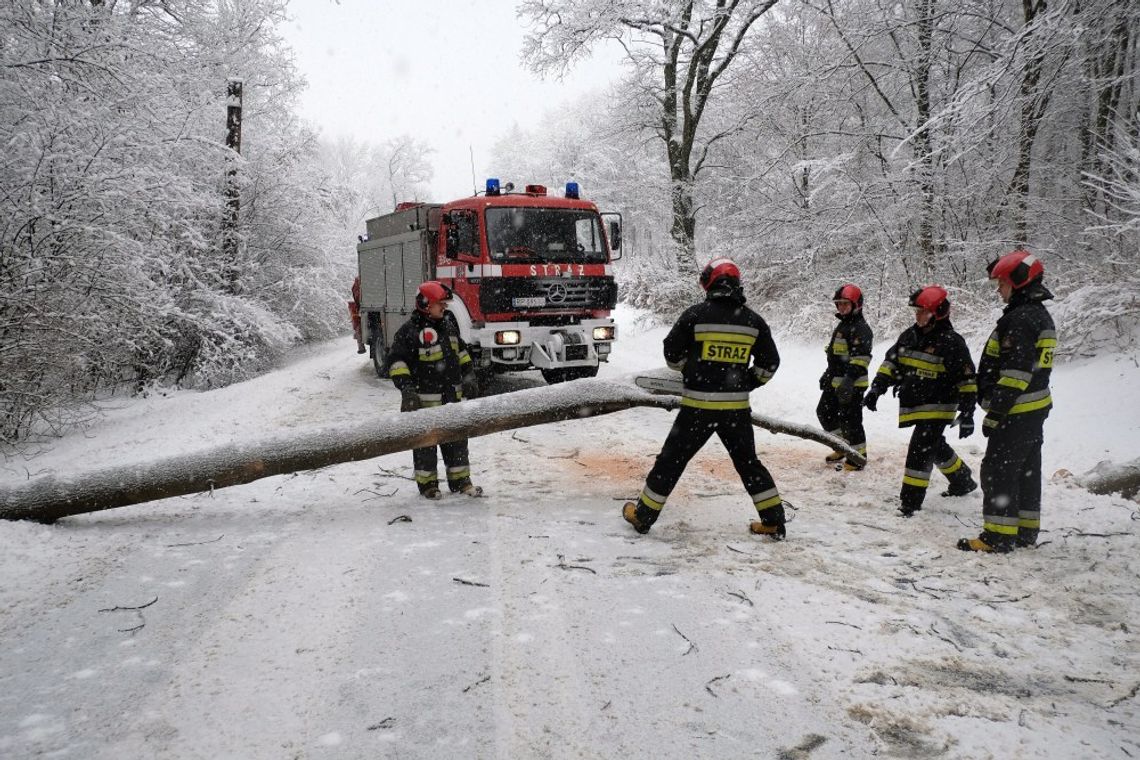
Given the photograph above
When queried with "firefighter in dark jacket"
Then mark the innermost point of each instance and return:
(429, 364)
(723, 350)
(1013, 382)
(931, 366)
(840, 408)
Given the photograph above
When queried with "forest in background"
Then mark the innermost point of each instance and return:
(114, 273)
(889, 144)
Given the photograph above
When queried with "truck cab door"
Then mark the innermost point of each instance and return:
(461, 236)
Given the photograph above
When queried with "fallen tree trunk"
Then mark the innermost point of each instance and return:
(50, 497)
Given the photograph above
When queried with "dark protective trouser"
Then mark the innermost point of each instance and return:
(690, 431)
(843, 420)
(455, 459)
(928, 447)
(1011, 480)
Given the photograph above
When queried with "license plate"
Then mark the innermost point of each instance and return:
(522, 303)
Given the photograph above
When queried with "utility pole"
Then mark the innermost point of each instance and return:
(230, 269)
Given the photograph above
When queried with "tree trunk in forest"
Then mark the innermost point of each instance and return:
(1033, 106)
(49, 498)
(923, 152)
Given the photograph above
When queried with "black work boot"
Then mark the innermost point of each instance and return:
(983, 544)
(774, 531)
(908, 510)
(1026, 539)
(961, 488)
(629, 512)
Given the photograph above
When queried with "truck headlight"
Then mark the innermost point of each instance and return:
(604, 333)
(508, 337)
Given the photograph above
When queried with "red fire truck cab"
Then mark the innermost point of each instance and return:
(531, 275)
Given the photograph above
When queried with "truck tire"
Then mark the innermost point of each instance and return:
(378, 354)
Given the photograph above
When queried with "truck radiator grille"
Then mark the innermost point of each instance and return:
(547, 294)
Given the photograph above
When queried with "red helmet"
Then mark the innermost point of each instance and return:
(1018, 268)
(719, 269)
(431, 292)
(934, 299)
(850, 293)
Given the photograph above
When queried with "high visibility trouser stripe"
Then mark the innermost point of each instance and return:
(651, 500)
(953, 465)
(766, 499)
(424, 477)
(464, 358)
(1027, 519)
(398, 368)
(916, 478)
(967, 386)
(861, 361)
(887, 368)
(1000, 524)
(458, 473)
(428, 398)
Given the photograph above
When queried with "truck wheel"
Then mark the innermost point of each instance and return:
(552, 376)
(378, 355)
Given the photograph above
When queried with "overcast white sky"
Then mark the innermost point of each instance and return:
(444, 71)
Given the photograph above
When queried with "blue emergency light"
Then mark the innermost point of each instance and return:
(572, 190)
(493, 186)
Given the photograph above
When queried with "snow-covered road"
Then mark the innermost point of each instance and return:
(335, 614)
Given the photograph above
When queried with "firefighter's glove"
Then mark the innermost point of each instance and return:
(871, 401)
(409, 399)
(824, 381)
(470, 386)
(845, 391)
(965, 426)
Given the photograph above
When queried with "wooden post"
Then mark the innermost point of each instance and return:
(230, 267)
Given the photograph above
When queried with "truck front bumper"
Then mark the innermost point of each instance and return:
(543, 347)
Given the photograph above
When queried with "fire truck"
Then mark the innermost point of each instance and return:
(531, 276)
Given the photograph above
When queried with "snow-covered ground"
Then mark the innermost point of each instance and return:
(335, 614)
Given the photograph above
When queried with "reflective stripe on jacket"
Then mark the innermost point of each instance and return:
(849, 351)
(934, 372)
(429, 356)
(723, 350)
(1013, 377)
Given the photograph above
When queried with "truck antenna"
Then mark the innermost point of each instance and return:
(474, 184)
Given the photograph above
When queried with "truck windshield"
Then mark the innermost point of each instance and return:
(524, 234)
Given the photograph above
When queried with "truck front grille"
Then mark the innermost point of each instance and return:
(546, 294)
